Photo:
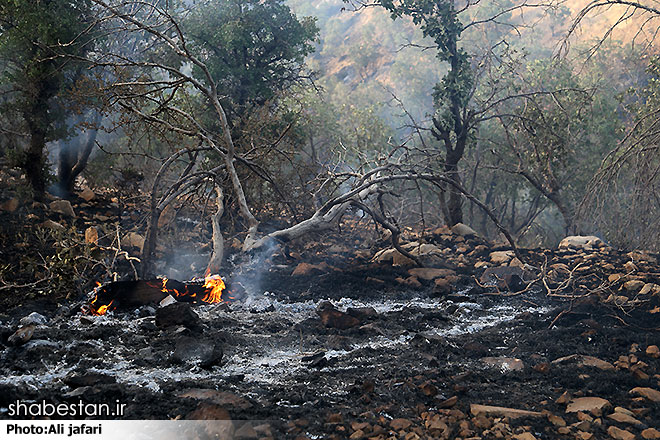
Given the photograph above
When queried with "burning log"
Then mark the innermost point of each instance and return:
(132, 294)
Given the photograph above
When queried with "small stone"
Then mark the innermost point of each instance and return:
(10, 205)
(357, 435)
(501, 257)
(335, 418)
(306, 269)
(556, 420)
(430, 274)
(524, 436)
(202, 352)
(463, 230)
(133, 239)
(633, 285)
(647, 289)
(594, 405)
(648, 393)
(331, 317)
(87, 194)
(651, 434)
(410, 282)
(653, 351)
(52, 225)
(33, 318)
(624, 418)
(587, 242)
(502, 411)
(614, 277)
(178, 314)
(442, 286)
(92, 235)
(620, 434)
(564, 398)
(516, 263)
(505, 364)
(62, 207)
(400, 424)
(21, 336)
(584, 417)
(630, 267)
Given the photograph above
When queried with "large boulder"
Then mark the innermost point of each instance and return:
(587, 242)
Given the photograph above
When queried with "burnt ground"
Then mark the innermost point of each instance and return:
(334, 339)
(403, 362)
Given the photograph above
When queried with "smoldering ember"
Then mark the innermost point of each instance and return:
(331, 220)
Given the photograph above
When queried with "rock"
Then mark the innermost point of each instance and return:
(501, 257)
(624, 418)
(463, 230)
(246, 432)
(331, 317)
(178, 314)
(585, 361)
(54, 226)
(648, 393)
(222, 398)
(620, 434)
(357, 435)
(653, 351)
(442, 286)
(33, 318)
(77, 380)
(651, 434)
(218, 421)
(62, 207)
(410, 282)
(524, 436)
(615, 277)
(564, 398)
(429, 274)
(362, 313)
(516, 263)
(648, 288)
(21, 336)
(593, 405)
(502, 411)
(505, 364)
(400, 424)
(133, 239)
(505, 277)
(202, 352)
(556, 420)
(92, 235)
(393, 256)
(87, 194)
(398, 259)
(306, 269)
(587, 242)
(10, 205)
(633, 285)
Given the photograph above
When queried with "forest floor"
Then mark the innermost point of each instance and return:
(336, 341)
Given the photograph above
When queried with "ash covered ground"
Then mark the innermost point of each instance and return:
(370, 349)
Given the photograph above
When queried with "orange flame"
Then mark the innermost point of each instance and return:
(214, 286)
(102, 310)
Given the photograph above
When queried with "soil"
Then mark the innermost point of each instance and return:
(414, 355)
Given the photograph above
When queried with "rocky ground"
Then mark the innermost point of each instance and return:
(337, 340)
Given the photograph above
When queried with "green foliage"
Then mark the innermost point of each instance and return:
(37, 39)
(253, 49)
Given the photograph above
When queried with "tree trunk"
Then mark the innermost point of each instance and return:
(73, 160)
(218, 241)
